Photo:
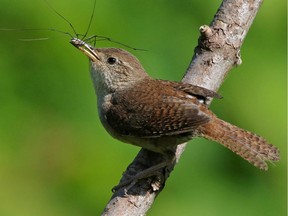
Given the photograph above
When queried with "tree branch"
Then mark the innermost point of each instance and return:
(217, 52)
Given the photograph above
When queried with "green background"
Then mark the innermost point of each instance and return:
(55, 156)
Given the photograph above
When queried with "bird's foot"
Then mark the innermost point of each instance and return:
(156, 170)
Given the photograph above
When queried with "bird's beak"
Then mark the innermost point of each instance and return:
(85, 48)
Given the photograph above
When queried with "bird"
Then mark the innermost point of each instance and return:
(158, 115)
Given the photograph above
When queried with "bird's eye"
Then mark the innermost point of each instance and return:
(111, 60)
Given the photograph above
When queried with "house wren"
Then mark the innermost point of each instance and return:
(158, 115)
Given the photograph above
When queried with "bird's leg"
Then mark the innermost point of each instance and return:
(151, 171)
(155, 170)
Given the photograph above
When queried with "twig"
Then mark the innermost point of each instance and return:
(217, 52)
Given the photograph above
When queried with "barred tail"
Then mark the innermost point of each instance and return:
(249, 146)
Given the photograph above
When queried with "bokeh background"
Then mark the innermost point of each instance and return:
(56, 158)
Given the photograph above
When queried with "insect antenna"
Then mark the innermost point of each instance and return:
(64, 18)
(90, 21)
(95, 38)
(37, 29)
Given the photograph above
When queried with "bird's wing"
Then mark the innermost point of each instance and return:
(155, 113)
(196, 91)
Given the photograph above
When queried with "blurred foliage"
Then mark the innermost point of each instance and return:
(56, 158)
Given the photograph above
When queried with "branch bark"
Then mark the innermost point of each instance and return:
(217, 52)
